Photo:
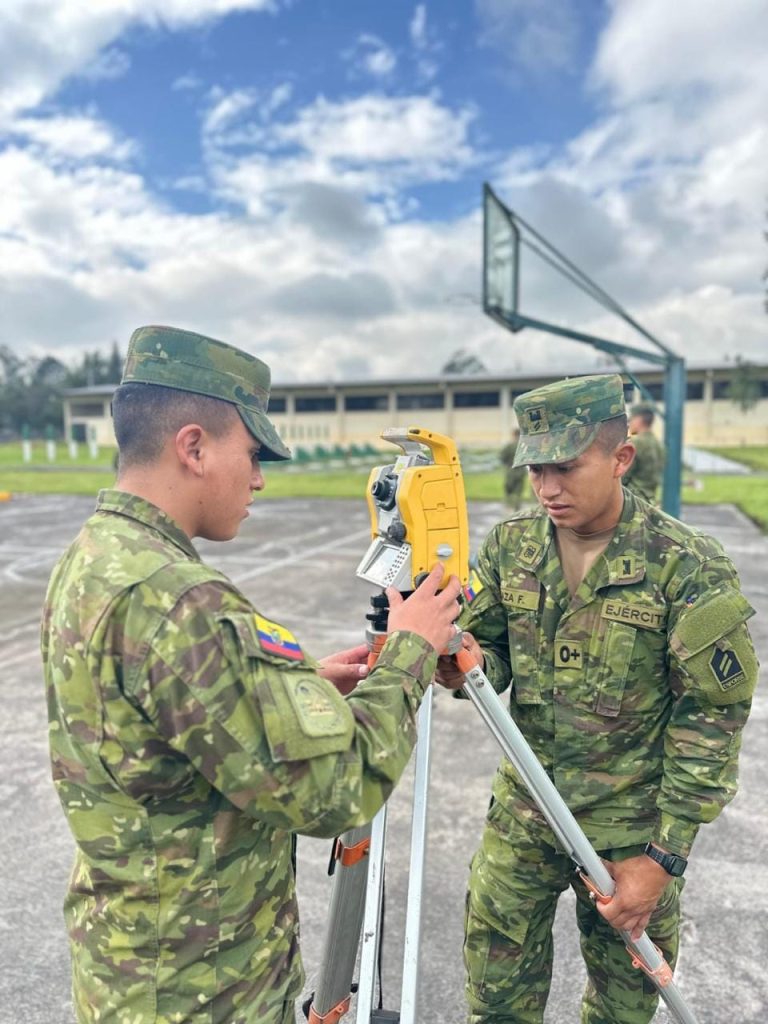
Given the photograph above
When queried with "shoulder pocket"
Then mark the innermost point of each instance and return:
(712, 643)
(303, 715)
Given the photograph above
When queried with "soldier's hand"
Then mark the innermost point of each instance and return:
(346, 668)
(427, 612)
(448, 673)
(640, 882)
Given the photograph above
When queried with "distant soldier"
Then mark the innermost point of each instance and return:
(191, 737)
(644, 475)
(515, 477)
(621, 634)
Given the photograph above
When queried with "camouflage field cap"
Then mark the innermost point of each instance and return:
(182, 359)
(560, 421)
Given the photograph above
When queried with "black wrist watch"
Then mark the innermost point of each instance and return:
(671, 862)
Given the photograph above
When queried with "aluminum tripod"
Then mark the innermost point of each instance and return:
(356, 904)
(352, 895)
(406, 542)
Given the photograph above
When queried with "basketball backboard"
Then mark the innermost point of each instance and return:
(501, 250)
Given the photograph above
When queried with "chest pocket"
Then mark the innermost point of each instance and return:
(522, 605)
(627, 643)
(612, 665)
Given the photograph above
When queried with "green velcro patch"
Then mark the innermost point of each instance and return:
(709, 620)
(318, 714)
(712, 642)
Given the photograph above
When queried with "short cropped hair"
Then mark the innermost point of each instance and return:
(146, 415)
(612, 433)
(643, 412)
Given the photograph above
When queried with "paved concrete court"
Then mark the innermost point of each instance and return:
(296, 560)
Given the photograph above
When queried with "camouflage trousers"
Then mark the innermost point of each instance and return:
(515, 882)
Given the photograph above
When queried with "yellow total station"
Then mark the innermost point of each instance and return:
(418, 511)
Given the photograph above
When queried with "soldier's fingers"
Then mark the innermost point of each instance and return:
(352, 655)
(451, 589)
(431, 583)
(394, 597)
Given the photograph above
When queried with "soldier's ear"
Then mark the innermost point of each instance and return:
(623, 457)
(189, 448)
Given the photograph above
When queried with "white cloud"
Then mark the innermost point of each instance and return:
(530, 34)
(418, 26)
(187, 83)
(373, 145)
(662, 198)
(425, 45)
(371, 56)
(75, 137)
(43, 42)
(383, 129)
(109, 64)
(226, 108)
(651, 46)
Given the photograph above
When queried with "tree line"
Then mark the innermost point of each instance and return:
(31, 387)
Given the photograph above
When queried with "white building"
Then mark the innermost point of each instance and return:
(476, 410)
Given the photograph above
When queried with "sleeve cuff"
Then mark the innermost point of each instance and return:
(413, 657)
(674, 835)
(496, 671)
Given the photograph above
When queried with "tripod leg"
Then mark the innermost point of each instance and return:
(416, 870)
(345, 917)
(568, 831)
(372, 918)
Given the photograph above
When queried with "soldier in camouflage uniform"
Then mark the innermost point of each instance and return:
(191, 736)
(515, 476)
(644, 474)
(622, 634)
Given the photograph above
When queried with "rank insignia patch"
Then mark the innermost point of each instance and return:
(726, 668)
(537, 420)
(530, 552)
(276, 639)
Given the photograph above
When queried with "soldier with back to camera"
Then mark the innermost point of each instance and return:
(515, 476)
(622, 633)
(644, 473)
(191, 736)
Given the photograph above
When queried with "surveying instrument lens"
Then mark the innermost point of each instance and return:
(384, 491)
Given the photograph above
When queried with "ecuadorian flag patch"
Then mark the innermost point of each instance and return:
(276, 639)
(473, 587)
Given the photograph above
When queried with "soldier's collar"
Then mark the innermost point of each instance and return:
(143, 511)
(534, 542)
(625, 553)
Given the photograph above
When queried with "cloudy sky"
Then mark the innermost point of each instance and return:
(303, 178)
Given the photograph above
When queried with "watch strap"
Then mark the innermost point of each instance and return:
(672, 863)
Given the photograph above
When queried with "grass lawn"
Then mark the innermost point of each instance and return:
(754, 456)
(87, 476)
(749, 493)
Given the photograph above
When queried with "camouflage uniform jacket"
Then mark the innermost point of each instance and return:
(188, 741)
(633, 692)
(514, 476)
(644, 475)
